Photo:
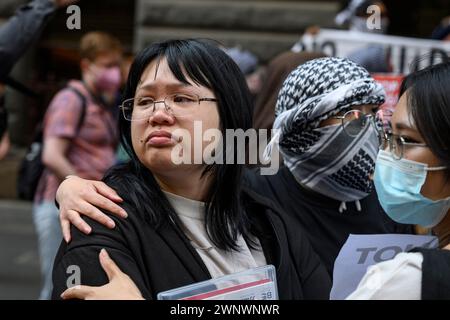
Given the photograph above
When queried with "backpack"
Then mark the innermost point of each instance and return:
(31, 167)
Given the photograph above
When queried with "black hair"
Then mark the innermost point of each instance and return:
(428, 103)
(207, 65)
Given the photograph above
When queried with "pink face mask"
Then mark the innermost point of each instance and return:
(108, 79)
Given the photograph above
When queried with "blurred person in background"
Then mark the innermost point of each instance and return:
(442, 31)
(16, 35)
(121, 154)
(80, 137)
(373, 57)
(276, 72)
(248, 63)
(4, 138)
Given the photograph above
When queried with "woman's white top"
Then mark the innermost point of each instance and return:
(218, 262)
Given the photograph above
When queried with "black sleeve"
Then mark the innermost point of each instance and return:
(315, 279)
(82, 254)
(20, 30)
(316, 282)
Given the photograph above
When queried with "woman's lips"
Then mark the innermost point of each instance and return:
(160, 138)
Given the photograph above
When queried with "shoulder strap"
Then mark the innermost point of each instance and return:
(435, 273)
(83, 106)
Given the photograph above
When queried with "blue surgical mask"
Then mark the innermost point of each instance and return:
(398, 184)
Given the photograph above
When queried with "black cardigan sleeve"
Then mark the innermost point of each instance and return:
(83, 253)
(316, 282)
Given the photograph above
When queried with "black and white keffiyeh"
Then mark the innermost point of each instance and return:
(326, 159)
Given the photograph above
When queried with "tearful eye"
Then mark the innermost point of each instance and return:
(182, 99)
(145, 102)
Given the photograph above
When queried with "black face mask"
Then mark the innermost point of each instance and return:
(3, 116)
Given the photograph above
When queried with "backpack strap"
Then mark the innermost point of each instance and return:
(83, 106)
(435, 273)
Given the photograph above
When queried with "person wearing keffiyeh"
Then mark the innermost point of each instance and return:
(326, 183)
(325, 158)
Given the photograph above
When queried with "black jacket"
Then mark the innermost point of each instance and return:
(326, 228)
(163, 259)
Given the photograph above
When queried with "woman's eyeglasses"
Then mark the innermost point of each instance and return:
(177, 105)
(397, 144)
(355, 121)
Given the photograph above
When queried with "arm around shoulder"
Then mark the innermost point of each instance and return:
(78, 262)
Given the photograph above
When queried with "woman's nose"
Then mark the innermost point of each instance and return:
(161, 115)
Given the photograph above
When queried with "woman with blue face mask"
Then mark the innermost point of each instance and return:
(412, 179)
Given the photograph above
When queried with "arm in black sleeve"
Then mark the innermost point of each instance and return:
(82, 254)
(20, 30)
(316, 282)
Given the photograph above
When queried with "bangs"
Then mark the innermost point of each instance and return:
(187, 66)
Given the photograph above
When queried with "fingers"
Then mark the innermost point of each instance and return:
(106, 191)
(90, 210)
(65, 226)
(77, 292)
(73, 217)
(109, 265)
(80, 224)
(100, 201)
(82, 197)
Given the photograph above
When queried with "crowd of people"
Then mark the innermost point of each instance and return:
(140, 224)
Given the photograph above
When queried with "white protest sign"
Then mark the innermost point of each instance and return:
(256, 290)
(253, 284)
(362, 251)
(401, 51)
